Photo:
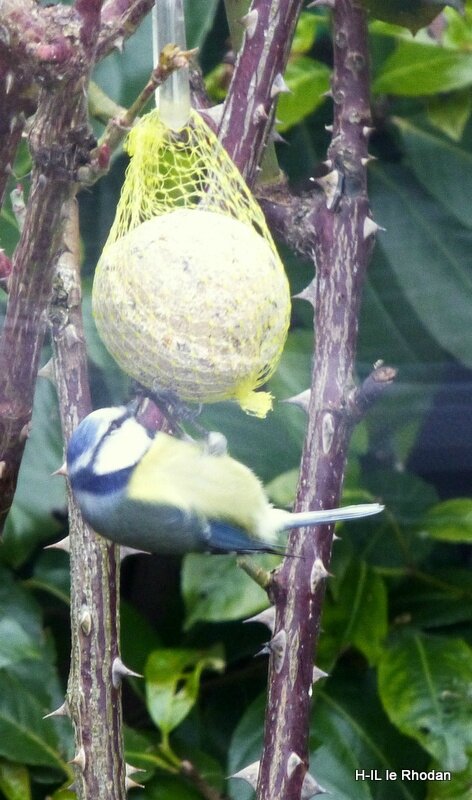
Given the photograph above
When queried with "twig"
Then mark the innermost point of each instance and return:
(52, 50)
(249, 107)
(339, 234)
(120, 18)
(171, 59)
(206, 790)
(93, 698)
(259, 575)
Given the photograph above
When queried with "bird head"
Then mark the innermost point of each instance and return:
(104, 449)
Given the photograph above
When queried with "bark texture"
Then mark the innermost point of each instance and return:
(335, 232)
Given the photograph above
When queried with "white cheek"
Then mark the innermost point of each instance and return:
(122, 448)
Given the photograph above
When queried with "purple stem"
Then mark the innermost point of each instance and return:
(248, 112)
(334, 230)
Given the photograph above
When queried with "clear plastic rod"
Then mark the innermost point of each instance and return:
(173, 97)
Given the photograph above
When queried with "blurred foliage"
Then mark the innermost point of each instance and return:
(396, 627)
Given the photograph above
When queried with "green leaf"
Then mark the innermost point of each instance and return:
(199, 18)
(18, 604)
(430, 255)
(416, 69)
(305, 32)
(458, 28)
(412, 14)
(444, 169)
(435, 599)
(282, 489)
(52, 575)
(307, 80)
(349, 731)
(38, 494)
(138, 637)
(15, 643)
(424, 683)
(450, 521)
(173, 681)
(215, 589)
(458, 788)
(356, 615)
(14, 781)
(164, 787)
(141, 752)
(354, 733)
(451, 113)
(24, 735)
(245, 747)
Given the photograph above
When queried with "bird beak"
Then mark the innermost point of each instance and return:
(61, 471)
(133, 405)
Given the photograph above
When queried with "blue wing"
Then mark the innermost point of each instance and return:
(224, 538)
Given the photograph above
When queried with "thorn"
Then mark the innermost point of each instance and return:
(131, 784)
(301, 400)
(318, 573)
(368, 160)
(61, 471)
(308, 294)
(9, 81)
(329, 128)
(366, 131)
(249, 22)
(63, 544)
(120, 671)
(293, 762)
(249, 774)
(119, 43)
(131, 551)
(332, 185)
(279, 86)
(321, 4)
(3, 468)
(310, 787)
(327, 431)
(275, 136)
(328, 163)
(370, 227)
(130, 770)
(62, 711)
(278, 646)
(328, 93)
(215, 113)
(266, 617)
(79, 759)
(260, 113)
(25, 432)
(264, 651)
(47, 371)
(85, 620)
(318, 674)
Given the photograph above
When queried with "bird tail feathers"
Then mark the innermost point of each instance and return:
(302, 518)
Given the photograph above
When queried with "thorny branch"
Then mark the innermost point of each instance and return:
(46, 54)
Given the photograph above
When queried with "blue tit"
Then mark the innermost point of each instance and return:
(173, 496)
